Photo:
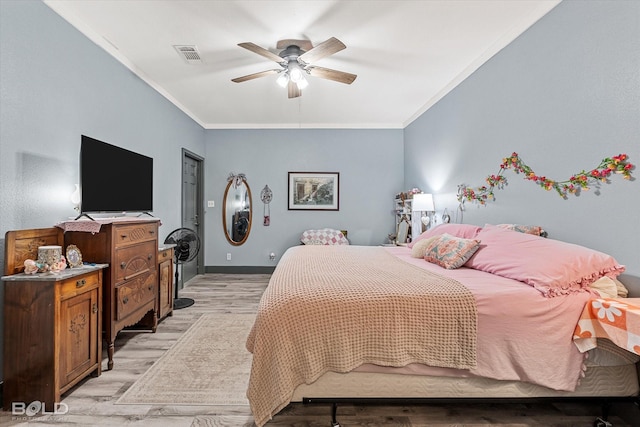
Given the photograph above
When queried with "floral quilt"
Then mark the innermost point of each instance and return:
(617, 319)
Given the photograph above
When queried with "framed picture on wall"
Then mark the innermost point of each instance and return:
(313, 191)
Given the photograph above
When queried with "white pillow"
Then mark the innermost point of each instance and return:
(606, 287)
(419, 249)
(622, 289)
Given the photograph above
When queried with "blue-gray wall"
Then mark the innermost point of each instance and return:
(370, 167)
(55, 85)
(563, 95)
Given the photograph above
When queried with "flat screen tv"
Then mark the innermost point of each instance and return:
(113, 179)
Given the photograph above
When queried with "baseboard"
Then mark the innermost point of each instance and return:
(239, 269)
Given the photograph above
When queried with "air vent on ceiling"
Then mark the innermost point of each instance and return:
(189, 53)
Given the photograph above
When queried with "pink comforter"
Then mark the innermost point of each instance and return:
(522, 335)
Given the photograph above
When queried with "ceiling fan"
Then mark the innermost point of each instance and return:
(296, 60)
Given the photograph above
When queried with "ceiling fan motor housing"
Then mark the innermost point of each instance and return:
(291, 53)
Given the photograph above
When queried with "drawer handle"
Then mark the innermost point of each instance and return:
(150, 287)
(80, 283)
(123, 265)
(149, 257)
(124, 236)
(125, 300)
(152, 232)
(164, 254)
(94, 309)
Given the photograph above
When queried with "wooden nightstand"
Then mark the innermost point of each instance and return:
(52, 333)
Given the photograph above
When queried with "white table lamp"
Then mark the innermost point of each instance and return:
(422, 203)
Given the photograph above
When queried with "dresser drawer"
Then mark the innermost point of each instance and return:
(165, 255)
(125, 235)
(132, 260)
(134, 293)
(79, 284)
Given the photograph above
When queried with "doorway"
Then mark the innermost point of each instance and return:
(193, 209)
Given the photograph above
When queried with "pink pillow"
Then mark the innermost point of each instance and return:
(465, 231)
(551, 266)
(450, 252)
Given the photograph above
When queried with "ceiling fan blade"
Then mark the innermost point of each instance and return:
(322, 50)
(261, 51)
(294, 90)
(329, 74)
(254, 76)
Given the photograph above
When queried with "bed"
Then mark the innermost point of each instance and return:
(469, 312)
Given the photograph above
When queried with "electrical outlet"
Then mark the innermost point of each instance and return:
(228, 256)
(211, 204)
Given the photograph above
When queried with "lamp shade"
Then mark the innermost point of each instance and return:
(423, 203)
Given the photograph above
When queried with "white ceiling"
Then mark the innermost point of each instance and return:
(407, 54)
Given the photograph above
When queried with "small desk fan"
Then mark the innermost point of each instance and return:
(187, 247)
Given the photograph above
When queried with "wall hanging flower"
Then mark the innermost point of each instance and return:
(580, 181)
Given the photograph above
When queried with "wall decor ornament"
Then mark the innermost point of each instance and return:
(577, 182)
(266, 195)
(236, 179)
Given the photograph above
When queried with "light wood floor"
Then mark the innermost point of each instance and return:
(91, 403)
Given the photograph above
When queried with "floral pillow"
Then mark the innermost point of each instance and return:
(527, 229)
(450, 252)
(551, 266)
(466, 231)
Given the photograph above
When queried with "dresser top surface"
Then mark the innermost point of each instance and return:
(94, 225)
(65, 274)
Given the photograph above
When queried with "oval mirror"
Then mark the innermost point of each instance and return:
(236, 211)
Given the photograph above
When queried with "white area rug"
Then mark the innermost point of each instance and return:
(208, 365)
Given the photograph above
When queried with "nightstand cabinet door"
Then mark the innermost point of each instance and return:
(165, 275)
(79, 320)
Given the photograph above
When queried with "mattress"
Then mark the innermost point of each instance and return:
(616, 380)
(610, 371)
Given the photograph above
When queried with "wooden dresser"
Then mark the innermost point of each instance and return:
(52, 331)
(130, 286)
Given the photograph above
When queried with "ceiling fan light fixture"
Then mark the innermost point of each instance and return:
(283, 79)
(302, 83)
(295, 72)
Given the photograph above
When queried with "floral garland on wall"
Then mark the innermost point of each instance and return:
(580, 181)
